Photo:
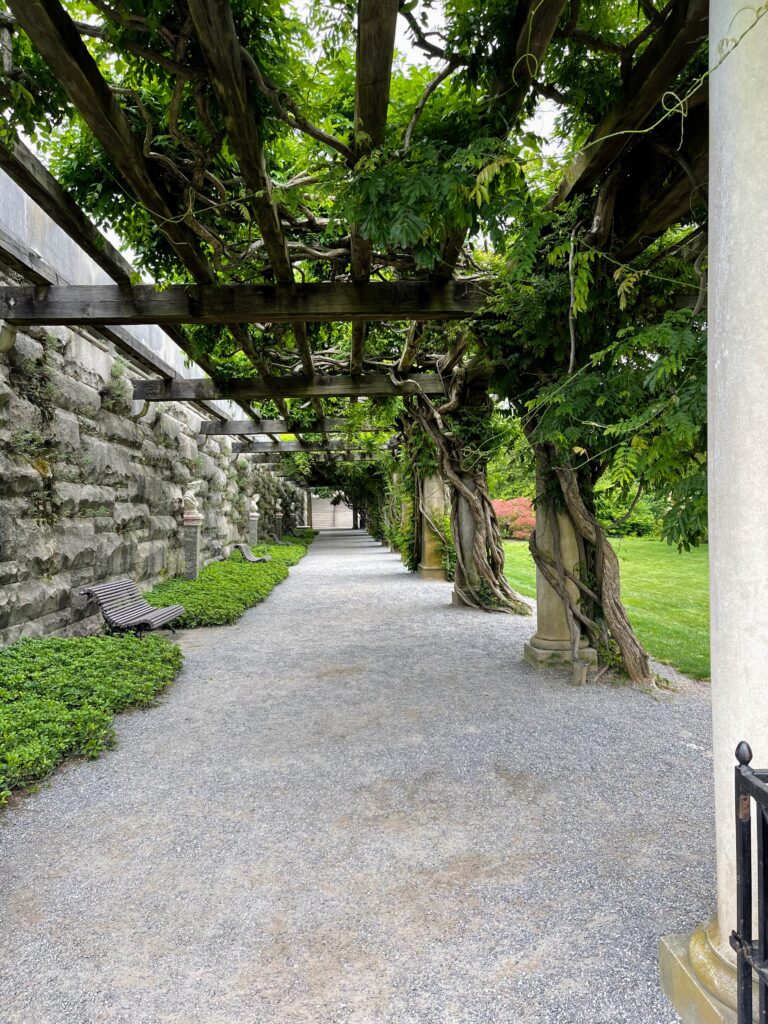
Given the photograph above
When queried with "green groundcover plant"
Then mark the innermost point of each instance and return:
(224, 590)
(58, 697)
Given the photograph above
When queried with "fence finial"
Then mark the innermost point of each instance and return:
(743, 753)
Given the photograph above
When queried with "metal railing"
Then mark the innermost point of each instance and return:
(751, 955)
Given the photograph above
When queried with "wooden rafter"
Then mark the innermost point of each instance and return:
(533, 26)
(56, 37)
(221, 304)
(376, 25)
(668, 52)
(218, 38)
(203, 388)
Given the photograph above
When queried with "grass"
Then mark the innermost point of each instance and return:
(224, 590)
(58, 698)
(666, 595)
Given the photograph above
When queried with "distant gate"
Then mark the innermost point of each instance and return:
(326, 516)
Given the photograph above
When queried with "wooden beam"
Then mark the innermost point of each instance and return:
(376, 26)
(328, 425)
(205, 389)
(23, 167)
(56, 37)
(669, 50)
(218, 38)
(221, 304)
(280, 447)
(323, 457)
(30, 265)
(532, 27)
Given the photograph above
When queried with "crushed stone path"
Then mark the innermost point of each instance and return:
(359, 805)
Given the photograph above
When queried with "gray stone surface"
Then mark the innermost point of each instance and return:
(359, 805)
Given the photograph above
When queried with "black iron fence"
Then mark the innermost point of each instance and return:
(751, 954)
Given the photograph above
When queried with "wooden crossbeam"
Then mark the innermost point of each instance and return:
(279, 447)
(328, 425)
(219, 304)
(324, 457)
(205, 389)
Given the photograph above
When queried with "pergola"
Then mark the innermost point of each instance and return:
(641, 171)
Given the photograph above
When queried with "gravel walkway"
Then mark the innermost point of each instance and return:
(359, 805)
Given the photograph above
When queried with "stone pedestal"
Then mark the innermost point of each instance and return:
(433, 496)
(279, 525)
(308, 508)
(698, 972)
(551, 643)
(192, 523)
(253, 528)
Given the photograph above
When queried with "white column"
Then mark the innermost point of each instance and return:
(698, 970)
(738, 413)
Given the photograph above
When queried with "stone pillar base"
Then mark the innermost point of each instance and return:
(192, 524)
(253, 529)
(555, 655)
(431, 572)
(698, 981)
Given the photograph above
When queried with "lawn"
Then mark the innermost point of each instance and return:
(666, 595)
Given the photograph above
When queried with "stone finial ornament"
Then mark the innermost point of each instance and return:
(192, 514)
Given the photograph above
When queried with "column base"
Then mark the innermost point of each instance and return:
(555, 656)
(698, 981)
(431, 572)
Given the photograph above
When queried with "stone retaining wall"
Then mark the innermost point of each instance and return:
(92, 485)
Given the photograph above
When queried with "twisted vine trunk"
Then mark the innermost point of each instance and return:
(479, 579)
(591, 597)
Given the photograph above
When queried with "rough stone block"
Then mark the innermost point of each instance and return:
(104, 463)
(18, 477)
(9, 572)
(78, 499)
(130, 515)
(74, 396)
(164, 528)
(87, 361)
(151, 557)
(121, 429)
(24, 602)
(66, 429)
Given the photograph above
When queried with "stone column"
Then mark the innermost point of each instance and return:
(253, 521)
(466, 532)
(278, 520)
(355, 520)
(308, 514)
(697, 971)
(433, 497)
(551, 643)
(193, 520)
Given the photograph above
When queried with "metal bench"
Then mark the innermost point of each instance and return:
(249, 556)
(125, 609)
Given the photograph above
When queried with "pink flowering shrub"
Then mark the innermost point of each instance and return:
(516, 517)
